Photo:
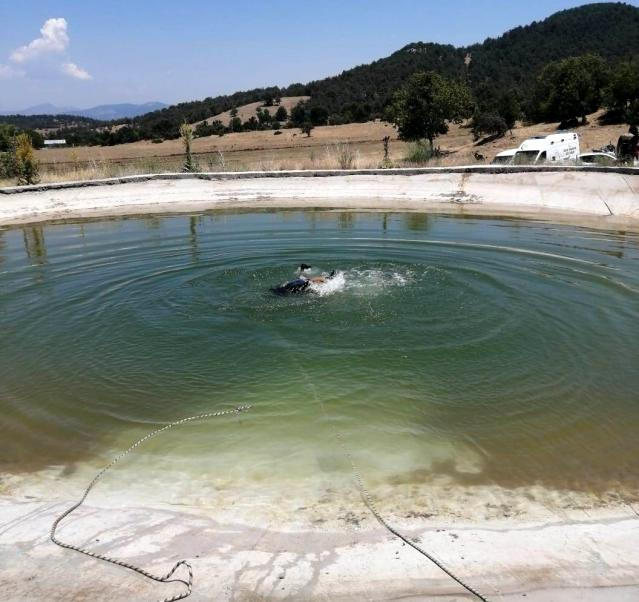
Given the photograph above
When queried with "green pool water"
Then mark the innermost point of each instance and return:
(488, 352)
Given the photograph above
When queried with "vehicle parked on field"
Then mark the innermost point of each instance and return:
(504, 157)
(562, 147)
(603, 158)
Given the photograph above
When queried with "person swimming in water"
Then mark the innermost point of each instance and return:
(302, 282)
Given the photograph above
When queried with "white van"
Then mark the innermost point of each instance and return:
(553, 148)
(505, 157)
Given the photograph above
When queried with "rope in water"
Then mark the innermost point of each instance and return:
(370, 503)
(188, 582)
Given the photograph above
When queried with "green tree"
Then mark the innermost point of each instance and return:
(281, 114)
(570, 89)
(251, 123)
(26, 163)
(426, 104)
(300, 114)
(186, 133)
(491, 124)
(495, 112)
(264, 116)
(318, 116)
(7, 135)
(307, 126)
(622, 94)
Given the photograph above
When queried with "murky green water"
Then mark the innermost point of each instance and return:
(491, 351)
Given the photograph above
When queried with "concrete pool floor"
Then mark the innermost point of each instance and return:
(591, 558)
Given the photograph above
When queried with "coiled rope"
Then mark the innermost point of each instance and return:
(168, 578)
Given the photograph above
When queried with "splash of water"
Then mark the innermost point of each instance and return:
(362, 281)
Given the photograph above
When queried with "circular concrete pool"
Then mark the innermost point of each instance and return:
(451, 354)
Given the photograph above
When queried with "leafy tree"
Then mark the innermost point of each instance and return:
(251, 124)
(299, 114)
(508, 107)
(495, 111)
(622, 94)
(488, 124)
(235, 125)
(26, 163)
(7, 135)
(570, 88)
(425, 105)
(307, 126)
(233, 112)
(318, 116)
(268, 99)
(264, 116)
(276, 125)
(281, 114)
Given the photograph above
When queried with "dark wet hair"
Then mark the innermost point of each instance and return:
(633, 130)
(305, 266)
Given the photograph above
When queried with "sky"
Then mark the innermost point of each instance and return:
(83, 53)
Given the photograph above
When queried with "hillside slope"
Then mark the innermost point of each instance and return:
(513, 59)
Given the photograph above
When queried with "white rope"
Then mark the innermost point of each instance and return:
(168, 578)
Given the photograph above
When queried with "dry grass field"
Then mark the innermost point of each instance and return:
(356, 145)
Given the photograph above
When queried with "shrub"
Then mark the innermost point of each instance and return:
(344, 155)
(420, 152)
(26, 163)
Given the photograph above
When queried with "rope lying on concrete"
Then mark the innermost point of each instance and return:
(370, 504)
(168, 578)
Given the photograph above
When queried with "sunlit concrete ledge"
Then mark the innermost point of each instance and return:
(598, 196)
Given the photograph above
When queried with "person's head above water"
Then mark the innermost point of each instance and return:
(304, 267)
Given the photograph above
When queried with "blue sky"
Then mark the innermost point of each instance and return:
(132, 51)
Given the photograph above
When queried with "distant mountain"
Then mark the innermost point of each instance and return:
(101, 112)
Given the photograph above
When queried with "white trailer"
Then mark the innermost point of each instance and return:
(562, 147)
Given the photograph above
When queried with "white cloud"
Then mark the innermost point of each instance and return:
(54, 40)
(72, 70)
(38, 58)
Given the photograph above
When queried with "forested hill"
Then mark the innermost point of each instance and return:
(610, 30)
(512, 60)
(507, 63)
